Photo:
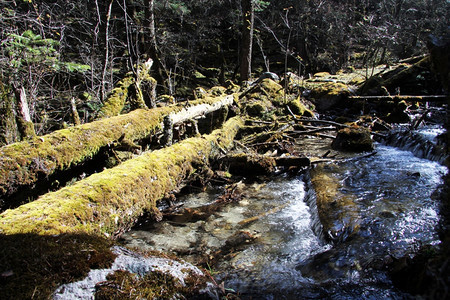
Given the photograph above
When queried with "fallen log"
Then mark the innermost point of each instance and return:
(293, 161)
(423, 98)
(337, 211)
(25, 163)
(109, 202)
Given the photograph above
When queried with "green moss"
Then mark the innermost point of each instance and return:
(109, 202)
(116, 98)
(33, 266)
(298, 108)
(256, 109)
(217, 91)
(25, 162)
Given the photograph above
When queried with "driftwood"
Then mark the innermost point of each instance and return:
(109, 202)
(24, 163)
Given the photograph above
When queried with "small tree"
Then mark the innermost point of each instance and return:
(27, 59)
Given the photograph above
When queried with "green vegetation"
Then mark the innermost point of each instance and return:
(23, 163)
(33, 266)
(109, 202)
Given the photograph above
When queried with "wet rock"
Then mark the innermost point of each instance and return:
(355, 139)
(326, 95)
(411, 274)
(250, 164)
(238, 239)
(338, 212)
(398, 114)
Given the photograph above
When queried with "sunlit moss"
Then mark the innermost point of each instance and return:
(116, 99)
(23, 163)
(109, 202)
(338, 212)
(299, 108)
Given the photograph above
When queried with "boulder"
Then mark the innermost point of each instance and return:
(354, 139)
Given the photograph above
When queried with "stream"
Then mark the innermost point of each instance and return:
(270, 244)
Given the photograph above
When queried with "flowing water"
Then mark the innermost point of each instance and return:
(284, 255)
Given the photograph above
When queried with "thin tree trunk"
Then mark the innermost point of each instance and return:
(247, 38)
(150, 44)
(105, 65)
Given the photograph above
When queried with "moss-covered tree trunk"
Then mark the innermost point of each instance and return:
(9, 132)
(24, 163)
(109, 202)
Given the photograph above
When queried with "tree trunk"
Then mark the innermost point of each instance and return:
(150, 44)
(24, 163)
(26, 126)
(247, 38)
(106, 58)
(9, 131)
(108, 203)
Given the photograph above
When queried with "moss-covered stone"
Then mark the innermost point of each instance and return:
(355, 139)
(250, 165)
(298, 108)
(256, 109)
(329, 94)
(109, 202)
(337, 211)
(32, 266)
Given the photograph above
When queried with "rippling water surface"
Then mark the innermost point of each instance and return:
(289, 259)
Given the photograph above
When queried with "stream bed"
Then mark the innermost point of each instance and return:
(269, 243)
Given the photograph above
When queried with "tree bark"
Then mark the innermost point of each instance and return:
(9, 131)
(24, 163)
(106, 58)
(26, 126)
(110, 202)
(150, 44)
(248, 13)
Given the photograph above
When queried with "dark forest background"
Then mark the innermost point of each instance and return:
(62, 51)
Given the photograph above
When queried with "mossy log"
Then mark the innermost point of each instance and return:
(24, 163)
(131, 87)
(109, 202)
(337, 211)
